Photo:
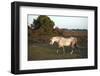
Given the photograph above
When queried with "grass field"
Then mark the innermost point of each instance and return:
(45, 51)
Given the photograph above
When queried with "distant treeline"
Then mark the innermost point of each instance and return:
(75, 29)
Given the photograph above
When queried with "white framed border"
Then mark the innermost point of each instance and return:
(25, 64)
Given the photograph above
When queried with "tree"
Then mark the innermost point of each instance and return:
(44, 24)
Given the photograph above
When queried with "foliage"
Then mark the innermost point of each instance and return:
(44, 24)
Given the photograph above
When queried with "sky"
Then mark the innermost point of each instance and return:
(67, 22)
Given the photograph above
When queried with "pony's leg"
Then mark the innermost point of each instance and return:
(71, 52)
(77, 48)
(57, 51)
(63, 50)
(79, 52)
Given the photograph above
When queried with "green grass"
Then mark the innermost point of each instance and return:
(44, 51)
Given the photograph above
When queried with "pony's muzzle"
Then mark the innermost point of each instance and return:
(51, 43)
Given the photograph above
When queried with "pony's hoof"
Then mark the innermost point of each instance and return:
(71, 53)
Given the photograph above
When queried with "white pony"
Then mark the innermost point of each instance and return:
(61, 41)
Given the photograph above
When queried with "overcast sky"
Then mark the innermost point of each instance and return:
(68, 22)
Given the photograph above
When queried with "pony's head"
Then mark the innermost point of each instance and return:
(54, 39)
(51, 41)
